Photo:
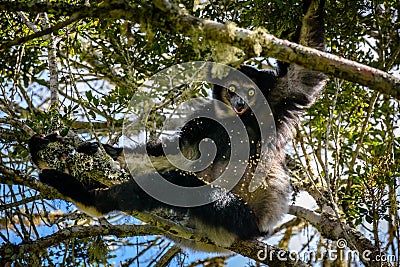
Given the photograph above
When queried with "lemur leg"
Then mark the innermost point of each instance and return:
(227, 212)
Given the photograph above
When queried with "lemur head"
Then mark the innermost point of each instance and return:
(241, 93)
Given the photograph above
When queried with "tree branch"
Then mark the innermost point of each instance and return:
(52, 62)
(165, 16)
(74, 17)
(10, 251)
(9, 176)
(331, 228)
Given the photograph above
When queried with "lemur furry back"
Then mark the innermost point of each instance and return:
(235, 214)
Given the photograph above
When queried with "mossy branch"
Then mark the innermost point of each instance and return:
(164, 16)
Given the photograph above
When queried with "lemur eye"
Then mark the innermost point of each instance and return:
(251, 92)
(232, 88)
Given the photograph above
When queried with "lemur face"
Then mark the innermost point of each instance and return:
(240, 104)
(243, 92)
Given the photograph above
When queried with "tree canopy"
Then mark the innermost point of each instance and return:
(75, 65)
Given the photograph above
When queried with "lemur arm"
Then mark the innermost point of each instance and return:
(297, 87)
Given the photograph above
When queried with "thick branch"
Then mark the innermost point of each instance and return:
(168, 18)
(333, 229)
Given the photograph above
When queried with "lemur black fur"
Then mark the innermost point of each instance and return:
(235, 214)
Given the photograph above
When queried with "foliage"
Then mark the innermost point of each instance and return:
(347, 147)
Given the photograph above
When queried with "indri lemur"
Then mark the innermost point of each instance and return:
(235, 214)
